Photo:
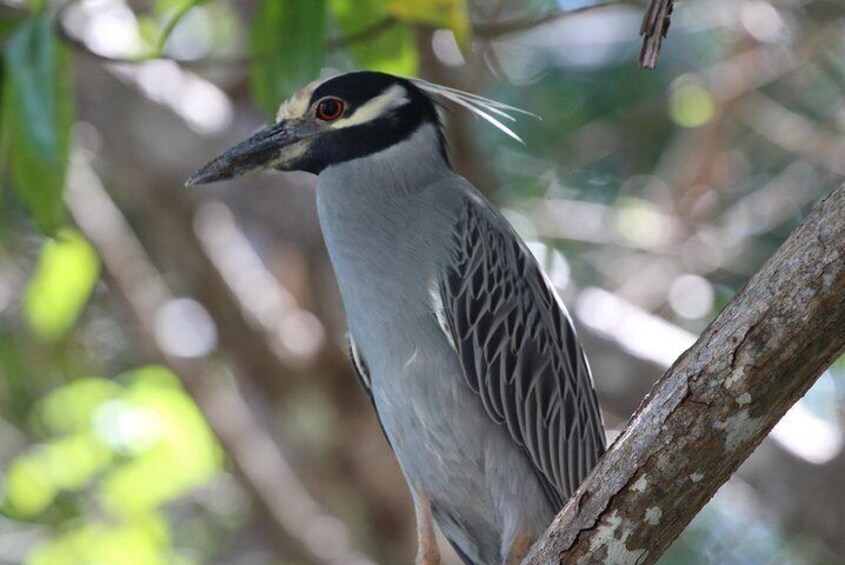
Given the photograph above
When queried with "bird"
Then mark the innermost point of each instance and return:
(469, 356)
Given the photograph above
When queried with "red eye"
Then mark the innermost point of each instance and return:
(330, 109)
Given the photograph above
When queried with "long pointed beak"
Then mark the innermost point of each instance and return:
(257, 152)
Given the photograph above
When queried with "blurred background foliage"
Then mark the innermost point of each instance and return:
(173, 383)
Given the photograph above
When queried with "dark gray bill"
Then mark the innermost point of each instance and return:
(253, 153)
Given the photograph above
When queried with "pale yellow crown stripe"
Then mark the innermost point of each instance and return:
(391, 98)
(296, 106)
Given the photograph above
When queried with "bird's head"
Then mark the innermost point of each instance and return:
(346, 117)
(329, 121)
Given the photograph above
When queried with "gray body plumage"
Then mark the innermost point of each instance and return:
(469, 357)
(471, 362)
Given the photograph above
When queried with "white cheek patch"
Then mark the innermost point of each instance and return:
(288, 154)
(384, 103)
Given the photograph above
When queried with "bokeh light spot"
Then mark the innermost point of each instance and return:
(691, 296)
(129, 429)
(690, 104)
(28, 490)
(185, 329)
(640, 222)
(68, 269)
(761, 20)
(553, 263)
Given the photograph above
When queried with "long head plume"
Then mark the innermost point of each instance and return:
(484, 108)
(363, 102)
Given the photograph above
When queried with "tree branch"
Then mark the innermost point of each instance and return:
(714, 406)
(290, 511)
(204, 62)
(497, 29)
(484, 30)
(219, 61)
(655, 25)
(369, 32)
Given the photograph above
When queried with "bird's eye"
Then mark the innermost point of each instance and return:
(330, 109)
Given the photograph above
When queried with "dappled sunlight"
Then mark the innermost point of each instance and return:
(108, 27)
(635, 330)
(111, 29)
(68, 269)
(128, 447)
(811, 430)
(691, 296)
(203, 106)
(174, 379)
(292, 331)
(183, 328)
(690, 104)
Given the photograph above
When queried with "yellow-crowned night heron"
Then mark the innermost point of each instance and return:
(467, 353)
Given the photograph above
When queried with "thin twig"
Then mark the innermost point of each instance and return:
(230, 61)
(484, 30)
(178, 14)
(488, 30)
(655, 25)
(369, 32)
(80, 45)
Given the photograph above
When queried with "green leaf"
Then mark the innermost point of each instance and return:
(180, 452)
(392, 50)
(67, 271)
(177, 13)
(8, 24)
(288, 42)
(37, 116)
(71, 408)
(27, 488)
(142, 540)
(37, 5)
(449, 14)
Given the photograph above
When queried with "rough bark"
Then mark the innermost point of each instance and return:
(714, 405)
(655, 25)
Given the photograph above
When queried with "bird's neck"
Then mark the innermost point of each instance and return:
(402, 169)
(370, 205)
(381, 218)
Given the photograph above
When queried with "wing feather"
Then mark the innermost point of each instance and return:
(519, 351)
(361, 370)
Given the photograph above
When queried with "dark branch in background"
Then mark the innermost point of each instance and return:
(362, 35)
(488, 30)
(81, 46)
(155, 199)
(222, 61)
(290, 511)
(655, 25)
(714, 405)
(483, 30)
(178, 14)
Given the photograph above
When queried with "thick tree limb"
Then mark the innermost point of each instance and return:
(655, 25)
(714, 405)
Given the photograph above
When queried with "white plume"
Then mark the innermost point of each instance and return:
(482, 107)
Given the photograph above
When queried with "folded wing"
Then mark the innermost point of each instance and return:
(519, 351)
